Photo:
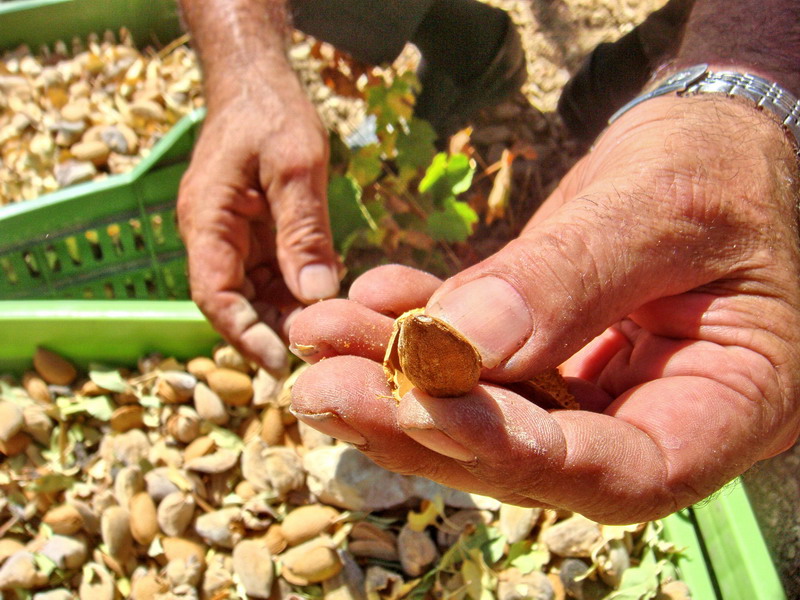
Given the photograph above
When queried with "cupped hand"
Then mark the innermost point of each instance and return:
(252, 210)
(662, 275)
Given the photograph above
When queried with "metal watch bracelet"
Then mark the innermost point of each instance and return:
(699, 80)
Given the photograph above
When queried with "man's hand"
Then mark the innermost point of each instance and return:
(252, 207)
(662, 273)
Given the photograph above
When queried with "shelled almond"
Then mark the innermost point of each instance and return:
(77, 114)
(182, 502)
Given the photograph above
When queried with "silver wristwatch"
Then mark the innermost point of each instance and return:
(699, 80)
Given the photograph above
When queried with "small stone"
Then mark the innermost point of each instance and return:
(116, 530)
(19, 570)
(573, 537)
(252, 563)
(66, 552)
(220, 527)
(144, 527)
(175, 512)
(416, 550)
(71, 172)
(120, 138)
(11, 420)
(342, 476)
(233, 387)
(276, 470)
(64, 519)
(209, 405)
(306, 522)
(52, 367)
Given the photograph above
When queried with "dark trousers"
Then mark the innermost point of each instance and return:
(372, 31)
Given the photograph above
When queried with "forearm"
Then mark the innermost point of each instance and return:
(238, 41)
(761, 36)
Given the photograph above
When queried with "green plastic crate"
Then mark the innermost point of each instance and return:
(113, 238)
(724, 555)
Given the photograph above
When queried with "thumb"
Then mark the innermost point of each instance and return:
(591, 262)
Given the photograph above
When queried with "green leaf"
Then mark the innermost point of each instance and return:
(527, 556)
(44, 564)
(447, 176)
(225, 438)
(347, 213)
(108, 379)
(53, 482)
(415, 146)
(418, 521)
(640, 582)
(394, 102)
(454, 223)
(365, 165)
(100, 407)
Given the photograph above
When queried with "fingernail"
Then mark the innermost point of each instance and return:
(490, 313)
(330, 424)
(435, 440)
(318, 282)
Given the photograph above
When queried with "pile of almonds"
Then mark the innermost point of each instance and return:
(76, 114)
(194, 480)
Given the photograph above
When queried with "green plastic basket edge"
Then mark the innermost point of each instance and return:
(743, 568)
(115, 332)
(155, 159)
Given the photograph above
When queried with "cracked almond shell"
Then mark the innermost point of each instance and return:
(427, 353)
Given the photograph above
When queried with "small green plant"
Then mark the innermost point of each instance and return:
(396, 199)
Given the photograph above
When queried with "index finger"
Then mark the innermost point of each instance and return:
(216, 233)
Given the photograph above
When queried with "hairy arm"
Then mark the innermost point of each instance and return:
(234, 38)
(761, 36)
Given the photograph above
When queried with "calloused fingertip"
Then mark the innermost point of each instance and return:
(266, 347)
(318, 282)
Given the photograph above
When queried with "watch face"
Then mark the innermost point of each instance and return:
(688, 76)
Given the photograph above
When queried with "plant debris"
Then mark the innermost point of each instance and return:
(102, 507)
